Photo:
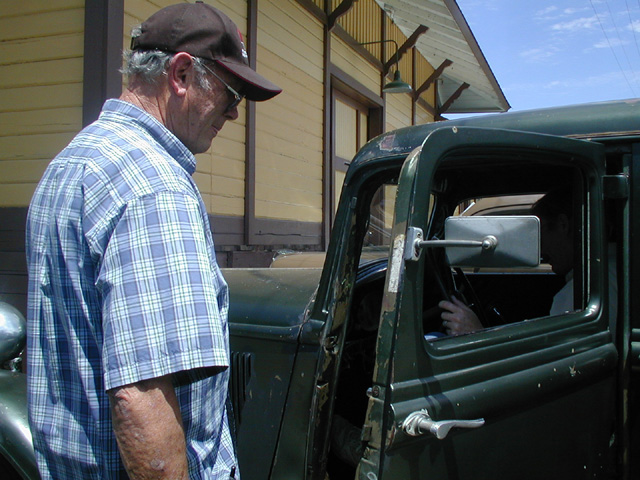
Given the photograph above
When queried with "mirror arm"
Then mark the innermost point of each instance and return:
(415, 242)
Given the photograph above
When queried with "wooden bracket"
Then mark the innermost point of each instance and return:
(340, 10)
(404, 48)
(432, 78)
(445, 106)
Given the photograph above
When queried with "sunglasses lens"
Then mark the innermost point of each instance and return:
(235, 103)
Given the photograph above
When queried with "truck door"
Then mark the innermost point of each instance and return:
(529, 399)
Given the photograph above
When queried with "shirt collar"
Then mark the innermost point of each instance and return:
(114, 108)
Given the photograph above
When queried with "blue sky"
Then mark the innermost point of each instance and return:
(546, 53)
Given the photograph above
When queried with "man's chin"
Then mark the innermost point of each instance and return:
(201, 147)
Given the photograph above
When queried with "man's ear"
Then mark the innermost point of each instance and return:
(180, 73)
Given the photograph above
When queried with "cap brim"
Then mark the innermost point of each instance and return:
(256, 87)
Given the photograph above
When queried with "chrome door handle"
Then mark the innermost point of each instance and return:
(420, 422)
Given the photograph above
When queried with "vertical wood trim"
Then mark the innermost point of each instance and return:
(250, 132)
(327, 171)
(103, 33)
(413, 84)
(383, 80)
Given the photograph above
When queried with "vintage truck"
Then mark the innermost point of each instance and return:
(358, 342)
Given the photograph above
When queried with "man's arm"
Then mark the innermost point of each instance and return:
(457, 318)
(148, 426)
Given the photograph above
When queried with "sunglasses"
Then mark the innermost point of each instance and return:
(237, 98)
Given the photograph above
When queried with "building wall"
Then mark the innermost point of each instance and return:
(41, 57)
(348, 60)
(41, 51)
(289, 127)
(423, 115)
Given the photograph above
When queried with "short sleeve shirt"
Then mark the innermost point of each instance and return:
(123, 287)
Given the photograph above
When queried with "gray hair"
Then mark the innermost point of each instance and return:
(151, 65)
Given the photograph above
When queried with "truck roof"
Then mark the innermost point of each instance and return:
(603, 122)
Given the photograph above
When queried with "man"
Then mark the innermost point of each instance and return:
(556, 243)
(128, 338)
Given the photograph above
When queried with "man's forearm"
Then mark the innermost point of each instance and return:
(148, 426)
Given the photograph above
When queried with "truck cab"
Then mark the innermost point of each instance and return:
(341, 367)
(359, 342)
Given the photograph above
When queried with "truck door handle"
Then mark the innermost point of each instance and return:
(420, 422)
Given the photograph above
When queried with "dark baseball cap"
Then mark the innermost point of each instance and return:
(204, 31)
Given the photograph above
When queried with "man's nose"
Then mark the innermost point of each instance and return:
(232, 114)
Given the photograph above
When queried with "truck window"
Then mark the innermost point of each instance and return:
(500, 297)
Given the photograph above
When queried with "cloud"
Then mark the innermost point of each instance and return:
(554, 13)
(572, 11)
(538, 55)
(584, 23)
(634, 26)
(546, 11)
(611, 43)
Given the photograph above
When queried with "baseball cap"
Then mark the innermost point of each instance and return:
(204, 31)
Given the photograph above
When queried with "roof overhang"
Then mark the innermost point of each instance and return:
(450, 38)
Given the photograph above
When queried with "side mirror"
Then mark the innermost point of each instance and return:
(517, 241)
(487, 242)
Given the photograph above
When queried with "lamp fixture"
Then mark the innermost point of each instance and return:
(397, 85)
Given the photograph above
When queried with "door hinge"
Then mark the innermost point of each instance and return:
(615, 186)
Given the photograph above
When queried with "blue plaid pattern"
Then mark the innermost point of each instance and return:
(123, 286)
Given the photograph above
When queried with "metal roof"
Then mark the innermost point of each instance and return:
(449, 37)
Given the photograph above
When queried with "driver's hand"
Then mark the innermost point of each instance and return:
(457, 318)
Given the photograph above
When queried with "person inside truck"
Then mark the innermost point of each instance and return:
(557, 240)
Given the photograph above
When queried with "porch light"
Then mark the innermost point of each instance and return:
(397, 85)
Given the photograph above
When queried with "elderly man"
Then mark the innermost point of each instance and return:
(128, 338)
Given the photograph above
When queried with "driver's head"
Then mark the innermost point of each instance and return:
(556, 226)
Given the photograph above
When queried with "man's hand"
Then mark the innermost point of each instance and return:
(148, 426)
(457, 318)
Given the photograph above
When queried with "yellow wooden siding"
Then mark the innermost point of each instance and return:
(289, 128)
(345, 58)
(398, 111)
(346, 130)
(220, 172)
(423, 71)
(363, 22)
(284, 27)
(423, 116)
(41, 49)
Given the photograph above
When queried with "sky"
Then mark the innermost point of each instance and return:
(549, 53)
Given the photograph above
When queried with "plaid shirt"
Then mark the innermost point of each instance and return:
(123, 287)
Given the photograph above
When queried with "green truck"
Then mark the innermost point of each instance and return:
(343, 370)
